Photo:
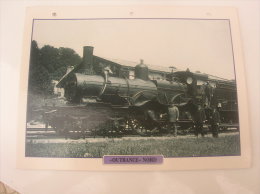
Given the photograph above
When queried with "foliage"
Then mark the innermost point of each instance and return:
(49, 63)
(169, 147)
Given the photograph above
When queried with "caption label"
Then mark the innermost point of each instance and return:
(133, 159)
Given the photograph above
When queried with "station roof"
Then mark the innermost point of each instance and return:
(152, 68)
(158, 68)
(132, 64)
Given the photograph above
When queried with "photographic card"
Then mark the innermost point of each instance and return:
(133, 88)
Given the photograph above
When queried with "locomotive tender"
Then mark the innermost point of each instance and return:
(104, 100)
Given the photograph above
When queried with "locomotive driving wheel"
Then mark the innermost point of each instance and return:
(135, 126)
(77, 129)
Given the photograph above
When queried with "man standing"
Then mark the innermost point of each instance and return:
(173, 112)
(215, 120)
(208, 93)
(199, 119)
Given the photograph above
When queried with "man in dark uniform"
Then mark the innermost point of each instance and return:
(215, 120)
(208, 93)
(173, 112)
(199, 119)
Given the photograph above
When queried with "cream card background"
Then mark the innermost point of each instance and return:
(35, 181)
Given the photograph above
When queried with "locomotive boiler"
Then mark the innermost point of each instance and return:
(122, 91)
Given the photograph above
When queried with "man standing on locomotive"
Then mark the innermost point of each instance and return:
(173, 113)
(215, 120)
(199, 119)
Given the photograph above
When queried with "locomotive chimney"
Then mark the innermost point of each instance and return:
(142, 71)
(87, 65)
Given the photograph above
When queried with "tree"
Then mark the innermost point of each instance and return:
(39, 78)
(56, 60)
(67, 57)
(49, 58)
(40, 81)
(49, 63)
(35, 53)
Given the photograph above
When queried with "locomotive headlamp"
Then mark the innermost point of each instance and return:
(189, 80)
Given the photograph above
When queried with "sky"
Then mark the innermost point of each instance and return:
(200, 45)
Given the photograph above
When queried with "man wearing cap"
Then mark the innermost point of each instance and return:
(215, 120)
(199, 119)
(208, 93)
(173, 113)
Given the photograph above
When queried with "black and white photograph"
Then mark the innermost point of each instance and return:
(132, 86)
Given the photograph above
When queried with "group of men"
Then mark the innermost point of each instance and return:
(199, 118)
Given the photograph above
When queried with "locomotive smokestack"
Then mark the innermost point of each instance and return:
(142, 71)
(87, 65)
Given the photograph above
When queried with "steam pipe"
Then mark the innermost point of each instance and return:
(105, 83)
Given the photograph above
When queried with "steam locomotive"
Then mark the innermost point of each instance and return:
(103, 100)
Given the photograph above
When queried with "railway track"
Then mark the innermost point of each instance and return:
(50, 133)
